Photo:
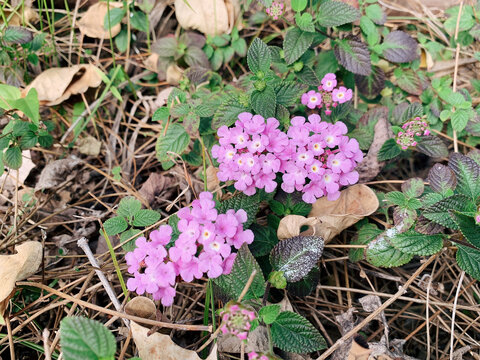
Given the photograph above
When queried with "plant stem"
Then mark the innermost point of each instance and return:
(204, 161)
(115, 263)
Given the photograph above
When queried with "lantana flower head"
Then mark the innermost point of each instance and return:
(275, 10)
(204, 246)
(412, 128)
(328, 96)
(236, 320)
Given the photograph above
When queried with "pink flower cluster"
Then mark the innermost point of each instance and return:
(248, 153)
(314, 156)
(327, 95)
(275, 10)
(204, 246)
(319, 158)
(262, 356)
(412, 128)
(236, 320)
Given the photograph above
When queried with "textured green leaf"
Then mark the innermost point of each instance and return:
(410, 82)
(296, 43)
(380, 252)
(28, 140)
(228, 112)
(413, 187)
(293, 333)
(139, 21)
(296, 256)
(269, 313)
(17, 35)
(468, 175)
(396, 198)
(432, 146)
(326, 63)
(265, 238)
(414, 243)
(116, 15)
(469, 260)
(288, 92)
(129, 206)
(264, 102)
(468, 226)
(399, 47)
(389, 150)
(299, 5)
(370, 86)
(241, 201)
(375, 13)
(440, 211)
(132, 234)
(13, 157)
(365, 235)
(146, 217)
(354, 55)
(336, 13)
(308, 76)
(442, 178)
(231, 285)
(115, 225)
(258, 56)
(460, 118)
(176, 140)
(86, 339)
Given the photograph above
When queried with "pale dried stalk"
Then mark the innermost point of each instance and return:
(454, 311)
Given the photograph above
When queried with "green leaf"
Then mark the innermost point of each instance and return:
(389, 150)
(228, 112)
(365, 235)
(396, 198)
(115, 225)
(116, 15)
(288, 92)
(453, 98)
(217, 59)
(326, 63)
(86, 339)
(165, 47)
(460, 119)
(468, 175)
(299, 5)
(380, 252)
(129, 206)
(13, 157)
(465, 23)
(268, 314)
(176, 140)
(440, 211)
(371, 86)
(304, 22)
(354, 55)
(28, 140)
(134, 234)
(336, 13)
(232, 284)
(432, 146)
(240, 47)
(413, 187)
(45, 141)
(442, 178)
(295, 44)
(293, 333)
(264, 102)
(265, 238)
(469, 260)
(191, 122)
(161, 114)
(375, 13)
(308, 76)
(139, 21)
(414, 243)
(29, 105)
(258, 56)
(399, 47)
(370, 30)
(17, 35)
(7, 95)
(241, 201)
(301, 208)
(296, 256)
(145, 217)
(410, 82)
(468, 226)
(194, 56)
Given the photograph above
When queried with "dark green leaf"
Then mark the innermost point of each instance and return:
(468, 175)
(305, 286)
(115, 225)
(241, 201)
(380, 252)
(296, 43)
(145, 217)
(264, 102)
(468, 226)
(432, 146)
(258, 56)
(410, 82)
(116, 15)
(288, 92)
(389, 150)
(414, 243)
(308, 76)
(354, 55)
(132, 234)
(176, 140)
(139, 21)
(17, 35)
(336, 13)
(265, 238)
(469, 260)
(13, 158)
(371, 86)
(440, 211)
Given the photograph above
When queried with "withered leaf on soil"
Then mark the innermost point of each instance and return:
(56, 172)
(55, 85)
(17, 267)
(92, 22)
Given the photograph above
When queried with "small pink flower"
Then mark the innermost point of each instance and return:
(342, 94)
(311, 99)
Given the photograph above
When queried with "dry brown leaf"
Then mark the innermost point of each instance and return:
(354, 203)
(370, 166)
(358, 352)
(17, 267)
(18, 19)
(56, 172)
(92, 22)
(141, 306)
(151, 62)
(211, 17)
(174, 74)
(89, 146)
(290, 226)
(154, 185)
(212, 180)
(57, 84)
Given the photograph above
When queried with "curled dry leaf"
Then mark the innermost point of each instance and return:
(209, 17)
(370, 166)
(29, 15)
(151, 62)
(17, 267)
(329, 218)
(89, 146)
(57, 84)
(56, 172)
(359, 350)
(156, 346)
(174, 74)
(92, 22)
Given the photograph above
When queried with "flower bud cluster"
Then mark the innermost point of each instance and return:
(412, 128)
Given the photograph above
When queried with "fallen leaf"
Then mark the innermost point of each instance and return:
(92, 22)
(9, 179)
(381, 351)
(346, 323)
(212, 180)
(370, 303)
(290, 226)
(56, 172)
(55, 85)
(212, 17)
(154, 185)
(29, 15)
(370, 166)
(174, 74)
(89, 146)
(359, 351)
(156, 346)
(17, 267)
(151, 62)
